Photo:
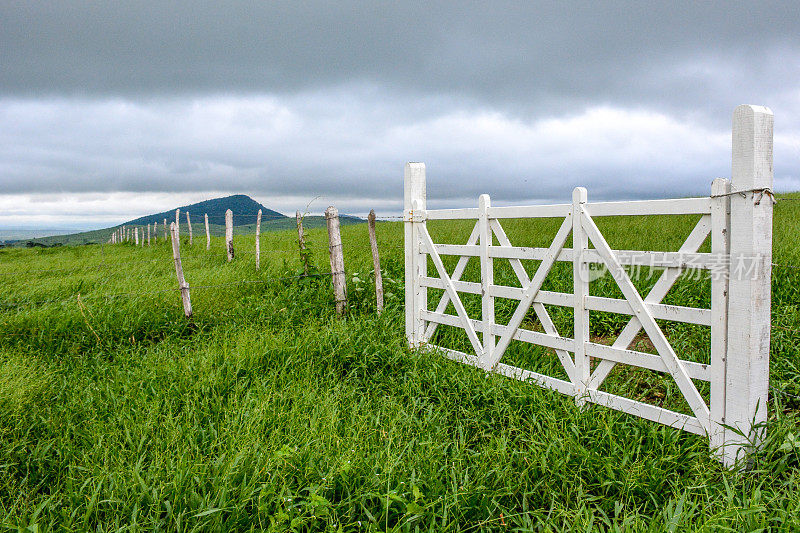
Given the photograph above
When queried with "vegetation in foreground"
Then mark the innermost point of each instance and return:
(267, 412)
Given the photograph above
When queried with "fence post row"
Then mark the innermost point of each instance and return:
(258, 240)
(414, 197)
(182, 285)
(229, 234)
(376, 261)
(208, 234)
(738, 216)
(337, 259)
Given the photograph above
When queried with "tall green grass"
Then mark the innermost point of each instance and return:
(267, 412)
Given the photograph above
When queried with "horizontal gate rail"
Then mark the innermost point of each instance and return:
(733, 217)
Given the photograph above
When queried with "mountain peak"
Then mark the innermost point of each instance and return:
(243, 207)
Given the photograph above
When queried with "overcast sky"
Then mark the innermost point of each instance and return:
(111, 110)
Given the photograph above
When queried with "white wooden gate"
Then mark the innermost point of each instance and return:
(737, 216)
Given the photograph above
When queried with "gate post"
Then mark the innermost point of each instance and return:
(720, 248)
(580, 282)
(487, 278)
(416, 263)
(747, 369)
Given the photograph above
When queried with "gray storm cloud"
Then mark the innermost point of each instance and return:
(293, 100)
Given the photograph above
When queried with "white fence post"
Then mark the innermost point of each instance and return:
(747, 368)
(189, 223)
(148, 234)
(229, 234)
(580, 283)
(208, 234)
(720, 233)
(155, 232)
(487, 277)
(258, 240)
(165, 230)
(415, 262)
(136, 235)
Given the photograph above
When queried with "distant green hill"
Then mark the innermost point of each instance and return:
(243, 207)
(244, 211)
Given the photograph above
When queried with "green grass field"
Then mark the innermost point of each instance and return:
(267, 412)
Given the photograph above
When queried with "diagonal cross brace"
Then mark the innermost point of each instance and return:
(457, 273)
(640, 311)
(466, 323)
(656, 294)
(539, 308)
(530, 292)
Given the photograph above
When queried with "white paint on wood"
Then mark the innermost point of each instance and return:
(660, 289)
(258, 240)
(466, 323)
(487, 276)
(376, 261)
(208, 233)
(720, 230)
(747, 382)
(182, 285)
(414, 189)
(663, 347)
(229, 234)
(530, 291)
(580, 288)
(737, 215)
(337, 260)
(457, 273)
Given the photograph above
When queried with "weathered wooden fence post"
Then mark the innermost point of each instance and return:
(416, 263)
(208, 234)
(376, 261)
(177, 222)
(155, 232)
(337, 259)
(148, 234)
(165, 230)
(301, 242)
(258, 240)
(747, 364)
(136, 235)
(182, 285)
(229, 234)
(189, 223)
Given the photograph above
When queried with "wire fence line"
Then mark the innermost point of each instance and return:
(73, 297)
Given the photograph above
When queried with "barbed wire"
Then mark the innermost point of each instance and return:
(784, 265)
(161, 291)
(782, 392)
